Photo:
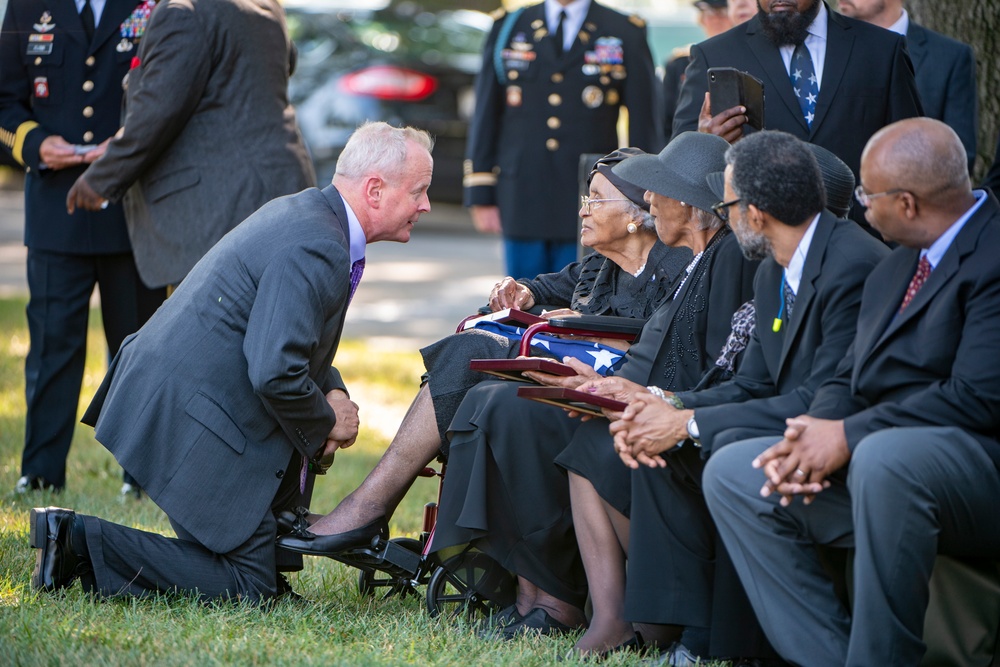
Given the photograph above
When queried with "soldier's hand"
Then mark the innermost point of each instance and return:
(83, 196)
(728, 124)
(486, 219)
(57, 153)
(91, 156)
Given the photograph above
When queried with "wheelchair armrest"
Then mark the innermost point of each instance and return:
(602, 326)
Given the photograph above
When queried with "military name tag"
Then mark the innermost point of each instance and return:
(37, 49)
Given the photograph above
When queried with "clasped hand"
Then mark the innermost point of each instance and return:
(812, 449)
(648, 427)
(508, 293)
(344, 432)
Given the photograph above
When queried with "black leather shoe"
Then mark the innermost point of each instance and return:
(34, 483)
(293, 521)
(491, 627)
(327, 545)
(56, 563)
(536, 621)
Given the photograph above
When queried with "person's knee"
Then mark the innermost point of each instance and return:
(881, 460)
(729, 473)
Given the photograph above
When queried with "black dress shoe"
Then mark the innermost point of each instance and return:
(536, 621)
(491, 627)
(57, 565)
(293, 521)
(327, 545)
(34, 483)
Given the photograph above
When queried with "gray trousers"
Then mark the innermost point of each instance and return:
(910, 493)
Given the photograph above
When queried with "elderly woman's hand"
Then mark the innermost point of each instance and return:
(508, 293)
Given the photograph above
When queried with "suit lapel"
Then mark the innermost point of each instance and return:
(65, 16)
(807, 285)
(839, 42)
(769, 57)
(115, 12)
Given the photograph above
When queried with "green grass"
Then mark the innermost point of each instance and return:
(339, 627)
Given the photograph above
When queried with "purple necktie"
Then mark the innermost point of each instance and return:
(357, 269)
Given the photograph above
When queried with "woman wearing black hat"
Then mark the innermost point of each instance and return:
(502, 492)
(628, 275)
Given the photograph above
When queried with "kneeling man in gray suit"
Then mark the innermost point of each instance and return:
(897, 455)
(225, 404)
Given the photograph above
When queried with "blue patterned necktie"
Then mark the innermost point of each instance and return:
(804, 82)
(357, 269)
(789, 295)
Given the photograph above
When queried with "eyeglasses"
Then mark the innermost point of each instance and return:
(722, 208)
(587, 203)
(865, 199)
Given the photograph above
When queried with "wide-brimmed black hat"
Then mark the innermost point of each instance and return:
(714, 4)
(680, 169)
(605, 166)
(717, 183)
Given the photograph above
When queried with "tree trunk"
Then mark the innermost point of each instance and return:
(977, 23)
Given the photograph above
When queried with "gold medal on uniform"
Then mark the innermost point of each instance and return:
(513, 96)
(612, 97)
(537, 23)
(592, 97)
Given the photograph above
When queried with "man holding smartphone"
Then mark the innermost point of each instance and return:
(61, 70)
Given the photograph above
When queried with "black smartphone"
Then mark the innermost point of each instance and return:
(730, 87)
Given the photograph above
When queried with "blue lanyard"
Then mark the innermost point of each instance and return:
(776, 324)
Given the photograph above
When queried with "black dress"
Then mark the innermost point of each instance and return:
(503, 491)
(593, 286)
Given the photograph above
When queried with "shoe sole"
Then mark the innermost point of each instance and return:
(38, 536)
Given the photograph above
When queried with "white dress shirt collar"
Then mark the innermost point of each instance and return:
(358, 238)
(793, 274)
(902, 24)
(815, 42)
(576, 13)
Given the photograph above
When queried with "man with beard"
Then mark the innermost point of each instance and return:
(807, 292)
(828, 79)
(945, 68)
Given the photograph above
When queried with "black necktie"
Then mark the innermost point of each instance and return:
(559, 33)
(87, 16)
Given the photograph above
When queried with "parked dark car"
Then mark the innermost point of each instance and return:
(398, 63)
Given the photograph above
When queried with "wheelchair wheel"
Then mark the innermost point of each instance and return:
(369, 580)
(453, 586)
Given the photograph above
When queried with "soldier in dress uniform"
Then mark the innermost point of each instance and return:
(553, 80)
(61, 70)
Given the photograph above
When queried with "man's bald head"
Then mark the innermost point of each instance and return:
(915, 172)
(921, 155)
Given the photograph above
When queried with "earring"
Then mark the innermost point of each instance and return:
(683, 204)
(632, 229)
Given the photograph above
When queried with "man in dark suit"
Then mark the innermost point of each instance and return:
(226, 400)
(863, 78)
(898, 454)
(806, 295)
(945, 68)
(551, 89)
(60, 101)
(209, 135)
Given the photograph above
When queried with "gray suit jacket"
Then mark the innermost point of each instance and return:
(206, 404)
(209, 135)
(781, 370)
(946, 78)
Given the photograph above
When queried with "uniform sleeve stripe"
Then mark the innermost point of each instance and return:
(22, 132)
(481, 178)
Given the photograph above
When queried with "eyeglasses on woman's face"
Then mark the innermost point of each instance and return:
(590, 204)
